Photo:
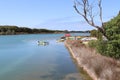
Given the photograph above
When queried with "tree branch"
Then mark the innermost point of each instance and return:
(86, 12)
(100, 7)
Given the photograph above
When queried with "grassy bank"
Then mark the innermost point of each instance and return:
(97, 66)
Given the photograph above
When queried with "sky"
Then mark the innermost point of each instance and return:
(50, 14)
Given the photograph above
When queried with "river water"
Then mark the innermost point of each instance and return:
(21, 58)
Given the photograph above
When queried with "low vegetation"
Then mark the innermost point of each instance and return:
(97, 66)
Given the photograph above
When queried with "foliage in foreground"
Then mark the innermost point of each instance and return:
(112, 29)
(111, 47)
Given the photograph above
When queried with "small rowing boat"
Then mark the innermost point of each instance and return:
(43, 43)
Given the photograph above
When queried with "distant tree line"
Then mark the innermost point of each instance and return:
(80, 31)
(13, 30)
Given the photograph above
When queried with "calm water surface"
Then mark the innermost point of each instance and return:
(21, 58)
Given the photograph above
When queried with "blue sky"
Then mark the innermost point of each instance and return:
(50, 14)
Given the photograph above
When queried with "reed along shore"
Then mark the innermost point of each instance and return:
(97, 66)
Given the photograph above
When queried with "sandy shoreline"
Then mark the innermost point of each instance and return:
(98, 67)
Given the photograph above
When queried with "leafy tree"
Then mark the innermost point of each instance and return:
(112, 46)
(112, 29)
(96, 33)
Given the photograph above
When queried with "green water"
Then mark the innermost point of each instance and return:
(21, 58)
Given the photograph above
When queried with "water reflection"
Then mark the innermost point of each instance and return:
(71, 76)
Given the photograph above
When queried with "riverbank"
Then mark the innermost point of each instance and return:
(97, 66)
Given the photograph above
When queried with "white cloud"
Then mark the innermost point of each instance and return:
(66, 23)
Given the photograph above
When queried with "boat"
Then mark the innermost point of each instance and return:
(43, 43)
(62, 39)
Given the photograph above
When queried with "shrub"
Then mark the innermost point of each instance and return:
(92, 44)
(112, 29)
(111, 47)
(107, 48)
(96, 33)
(101, 47)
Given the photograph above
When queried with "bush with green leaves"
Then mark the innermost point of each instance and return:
(96, 33)
(112, 29)
(111, 47)
(92, 44)
(99, 45)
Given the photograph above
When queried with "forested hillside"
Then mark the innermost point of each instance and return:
(12, 30)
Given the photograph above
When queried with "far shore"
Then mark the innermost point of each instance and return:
(15, 30)
(97, 66)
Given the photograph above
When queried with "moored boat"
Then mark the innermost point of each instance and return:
(43, 43)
